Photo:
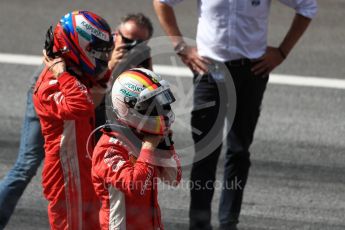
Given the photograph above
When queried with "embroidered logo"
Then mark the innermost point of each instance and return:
(85, 28)
(117, 166)
(147, 182)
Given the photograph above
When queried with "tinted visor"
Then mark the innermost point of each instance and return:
(101, 55)
(102, 50)
(156, 110)
(156, 105)
(128, 41)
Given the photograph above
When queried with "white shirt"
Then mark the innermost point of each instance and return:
(233, 29)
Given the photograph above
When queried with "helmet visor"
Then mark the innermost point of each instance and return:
(155, 103)
(101, 55)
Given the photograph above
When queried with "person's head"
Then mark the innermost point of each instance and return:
(141, 100)
(133, 29)
(84, 40)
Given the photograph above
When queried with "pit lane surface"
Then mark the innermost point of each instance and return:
(297, 176)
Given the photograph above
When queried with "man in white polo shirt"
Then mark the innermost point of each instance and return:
(233, 33)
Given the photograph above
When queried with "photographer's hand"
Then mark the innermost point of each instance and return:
(117, 56)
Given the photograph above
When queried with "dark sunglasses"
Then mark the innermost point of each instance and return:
(129, 41)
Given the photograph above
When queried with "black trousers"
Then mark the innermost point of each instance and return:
(205, 119)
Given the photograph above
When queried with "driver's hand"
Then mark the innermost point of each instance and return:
(57, 65)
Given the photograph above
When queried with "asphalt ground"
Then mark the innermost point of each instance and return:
(297, 175)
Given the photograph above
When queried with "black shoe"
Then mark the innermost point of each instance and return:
(228, 227)
(205, 227)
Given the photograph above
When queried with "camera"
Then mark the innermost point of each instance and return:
(139, 54)
(129, 46)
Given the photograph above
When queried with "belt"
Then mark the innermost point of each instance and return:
(239, 62)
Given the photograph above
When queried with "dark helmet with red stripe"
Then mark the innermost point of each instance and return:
(85, 42)
(141, 100)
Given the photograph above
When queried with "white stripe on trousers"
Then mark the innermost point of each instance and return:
(70, 166)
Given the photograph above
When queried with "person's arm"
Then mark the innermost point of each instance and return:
(117, 56)
(275, 55)
(297, 29)
(72, 100)
(167, 19)
(188, 54)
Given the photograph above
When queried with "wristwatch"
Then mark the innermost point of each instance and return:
(180, 47)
